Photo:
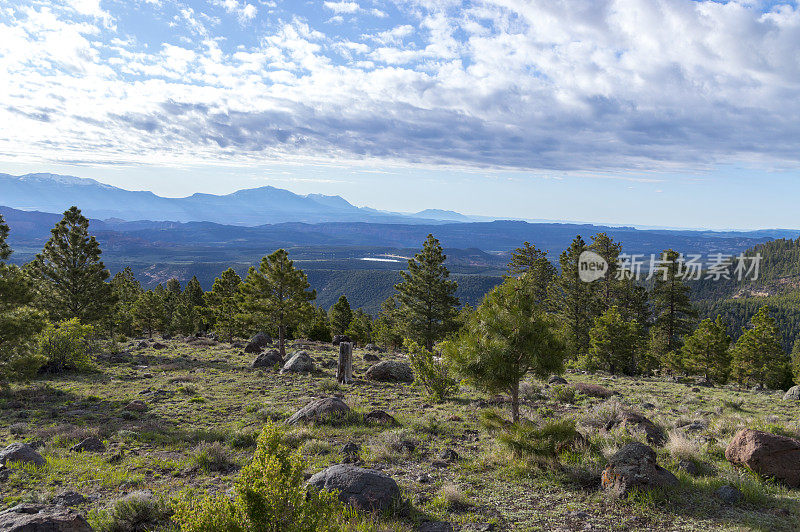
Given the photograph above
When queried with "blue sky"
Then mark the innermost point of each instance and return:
(649, 112)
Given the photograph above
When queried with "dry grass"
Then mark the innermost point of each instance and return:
(681, 447)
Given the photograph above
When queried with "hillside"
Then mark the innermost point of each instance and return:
(778, 286)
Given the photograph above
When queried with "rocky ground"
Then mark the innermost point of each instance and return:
(165, 416)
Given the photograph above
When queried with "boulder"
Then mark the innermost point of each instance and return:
(321, 409)
(634, 466)
(364, 489)
(261, 339)
(268, 359)
(390, 371)
(69, 498)
(767, 454)
(792, 394)
(371, 347)
(21, 452)
(631, 420)
(300, 362)
(557, 379)
(136, 406)
(339, 338)
(36, 518)
(159, 345)
(370, 357)
(379, 417)
(92, 445)
(728, 494)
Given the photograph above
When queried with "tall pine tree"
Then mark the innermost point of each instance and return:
(758, 356)
(614, 343)
(19, 322)
(340, 315)
(426, 296)
(672, 304)
(277, 294)
(573, 298)
(707, 351)
(70, 275)
(532, 263)
(223, 302)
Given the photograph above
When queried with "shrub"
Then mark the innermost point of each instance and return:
(270, 495)
(134, 513)
(563, 394)
(430, 371)
(539, 442)
(213, 456)
(66, 345)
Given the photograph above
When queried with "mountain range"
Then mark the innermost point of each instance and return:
(249, 207)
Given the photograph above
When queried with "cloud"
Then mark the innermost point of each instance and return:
(524, 84)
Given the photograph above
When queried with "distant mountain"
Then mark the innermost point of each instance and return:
(250, 207)
(439, 214)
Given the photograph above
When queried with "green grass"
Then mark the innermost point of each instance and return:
(206, 406)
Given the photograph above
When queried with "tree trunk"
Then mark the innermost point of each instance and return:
(344, 370)
(515, 403)
(282, 341)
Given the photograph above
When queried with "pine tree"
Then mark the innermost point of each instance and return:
(70, 275)
(607, 248)
(148, 311)
(614, 343)
(318, 328)
(707, 351)
(126, 290)
(189, 311)
(360, 328)
(532, 263)
(758, 355)
(573, 298)
(194, 294)
(426, 296)
(223, 302)
(795, 361)
(507, 337)
(340, 315)
(277, 293)
(19, 321)
(387, 327)
(671, 300)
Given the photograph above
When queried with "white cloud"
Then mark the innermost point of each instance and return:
(529, 84)
(343, 7)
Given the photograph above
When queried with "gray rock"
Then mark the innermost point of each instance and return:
(92, 445)
(690, 467)
(321, 409)
(379, 417)
(371, 347)
(69, 498)
(370, 357)
(631, 420)
(792, 394)
(268, 359)
(728, 494)
(364, 489)
(390, 371)
(21, 452)
(261, 339)
(36, 518)
(136, 406)
(557, 379)
(301, 362)
(635, 466)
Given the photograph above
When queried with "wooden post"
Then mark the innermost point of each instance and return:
(344, 371)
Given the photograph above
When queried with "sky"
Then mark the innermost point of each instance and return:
(673, 113)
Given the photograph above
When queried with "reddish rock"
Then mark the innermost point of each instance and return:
(767, 454)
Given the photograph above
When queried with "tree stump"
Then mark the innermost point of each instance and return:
(344, 371)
